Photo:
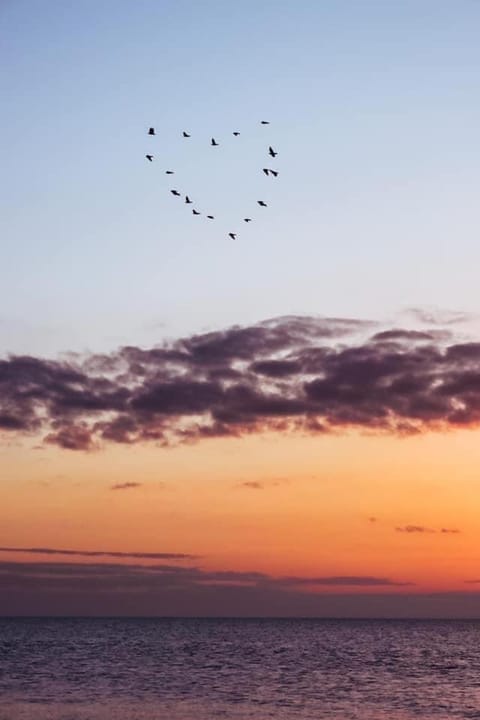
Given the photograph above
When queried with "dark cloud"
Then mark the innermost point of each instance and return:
(261, 484)
(388, 335)
(125, 486)
(342, 580)
(85, 588)
(289, 374)
(450, 531)
(99, 553)
(414, 529)
(109, 589)
(252, 485)
(423, 529)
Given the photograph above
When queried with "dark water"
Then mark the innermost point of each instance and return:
(198, 669)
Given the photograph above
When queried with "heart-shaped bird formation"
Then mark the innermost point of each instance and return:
(267, 171)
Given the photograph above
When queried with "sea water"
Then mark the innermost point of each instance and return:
(189, 669)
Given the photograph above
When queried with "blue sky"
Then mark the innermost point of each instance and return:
(374, 110)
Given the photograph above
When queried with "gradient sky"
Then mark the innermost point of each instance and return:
(374, 110)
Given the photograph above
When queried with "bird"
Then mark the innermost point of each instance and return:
(232, 235)
(195, 212)
(149, 157)
(265, 122)
(185, 134)
(175, 192)
(266, 171)
(187, 200)
(214, 142)
(169, 172)
(247, 219)
(210, 217)
(262, 203)
(236, 133)
(151, 131)
(274, 173)
(272, 152)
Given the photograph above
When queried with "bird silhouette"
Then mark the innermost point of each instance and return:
(185, 134)
(232, 235)
(262, 203)
(265, 122)
(149, 157)
(151, 131)
(169, 172)
(236, 133)
(266, 171)
(272, 152)
(210, 217)
(274, 173)
(195, 212)
(187, 200)
(247, 219)
(175, 192)
(214, 142)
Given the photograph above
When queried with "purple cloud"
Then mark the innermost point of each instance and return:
(423, 529)
(99, 553)
(414, 529)
(174, 575)
(287, 374)
(125, 486)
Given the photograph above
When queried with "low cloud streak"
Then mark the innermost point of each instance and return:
(125, 486)
(99, 553)
(94, 588)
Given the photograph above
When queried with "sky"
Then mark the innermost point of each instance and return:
(281, 424)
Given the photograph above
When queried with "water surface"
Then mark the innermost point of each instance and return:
(159, 669)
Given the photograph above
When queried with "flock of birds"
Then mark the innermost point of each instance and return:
(267, 171)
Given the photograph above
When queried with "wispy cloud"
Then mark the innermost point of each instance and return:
(450, 531)
(288, 374)
(168, 575)
(414, 529)
(261, 484)
(423, 529)
(125, 486)
(99, 553)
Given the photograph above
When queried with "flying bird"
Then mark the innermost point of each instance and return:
(149, 157)
(214, 142)
(185, 134)
(195, 212)
(169, 172)
(175, 192)
(187, 200)
(265, 122)
(236, 133)
(247, 219)
(262, 203)
(151, 131)
(266, 171)
(210, 217)
(232, 235)
(272, 152)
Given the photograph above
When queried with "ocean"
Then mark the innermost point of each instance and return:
(199, 669)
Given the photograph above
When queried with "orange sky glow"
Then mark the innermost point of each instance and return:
(275, 504)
